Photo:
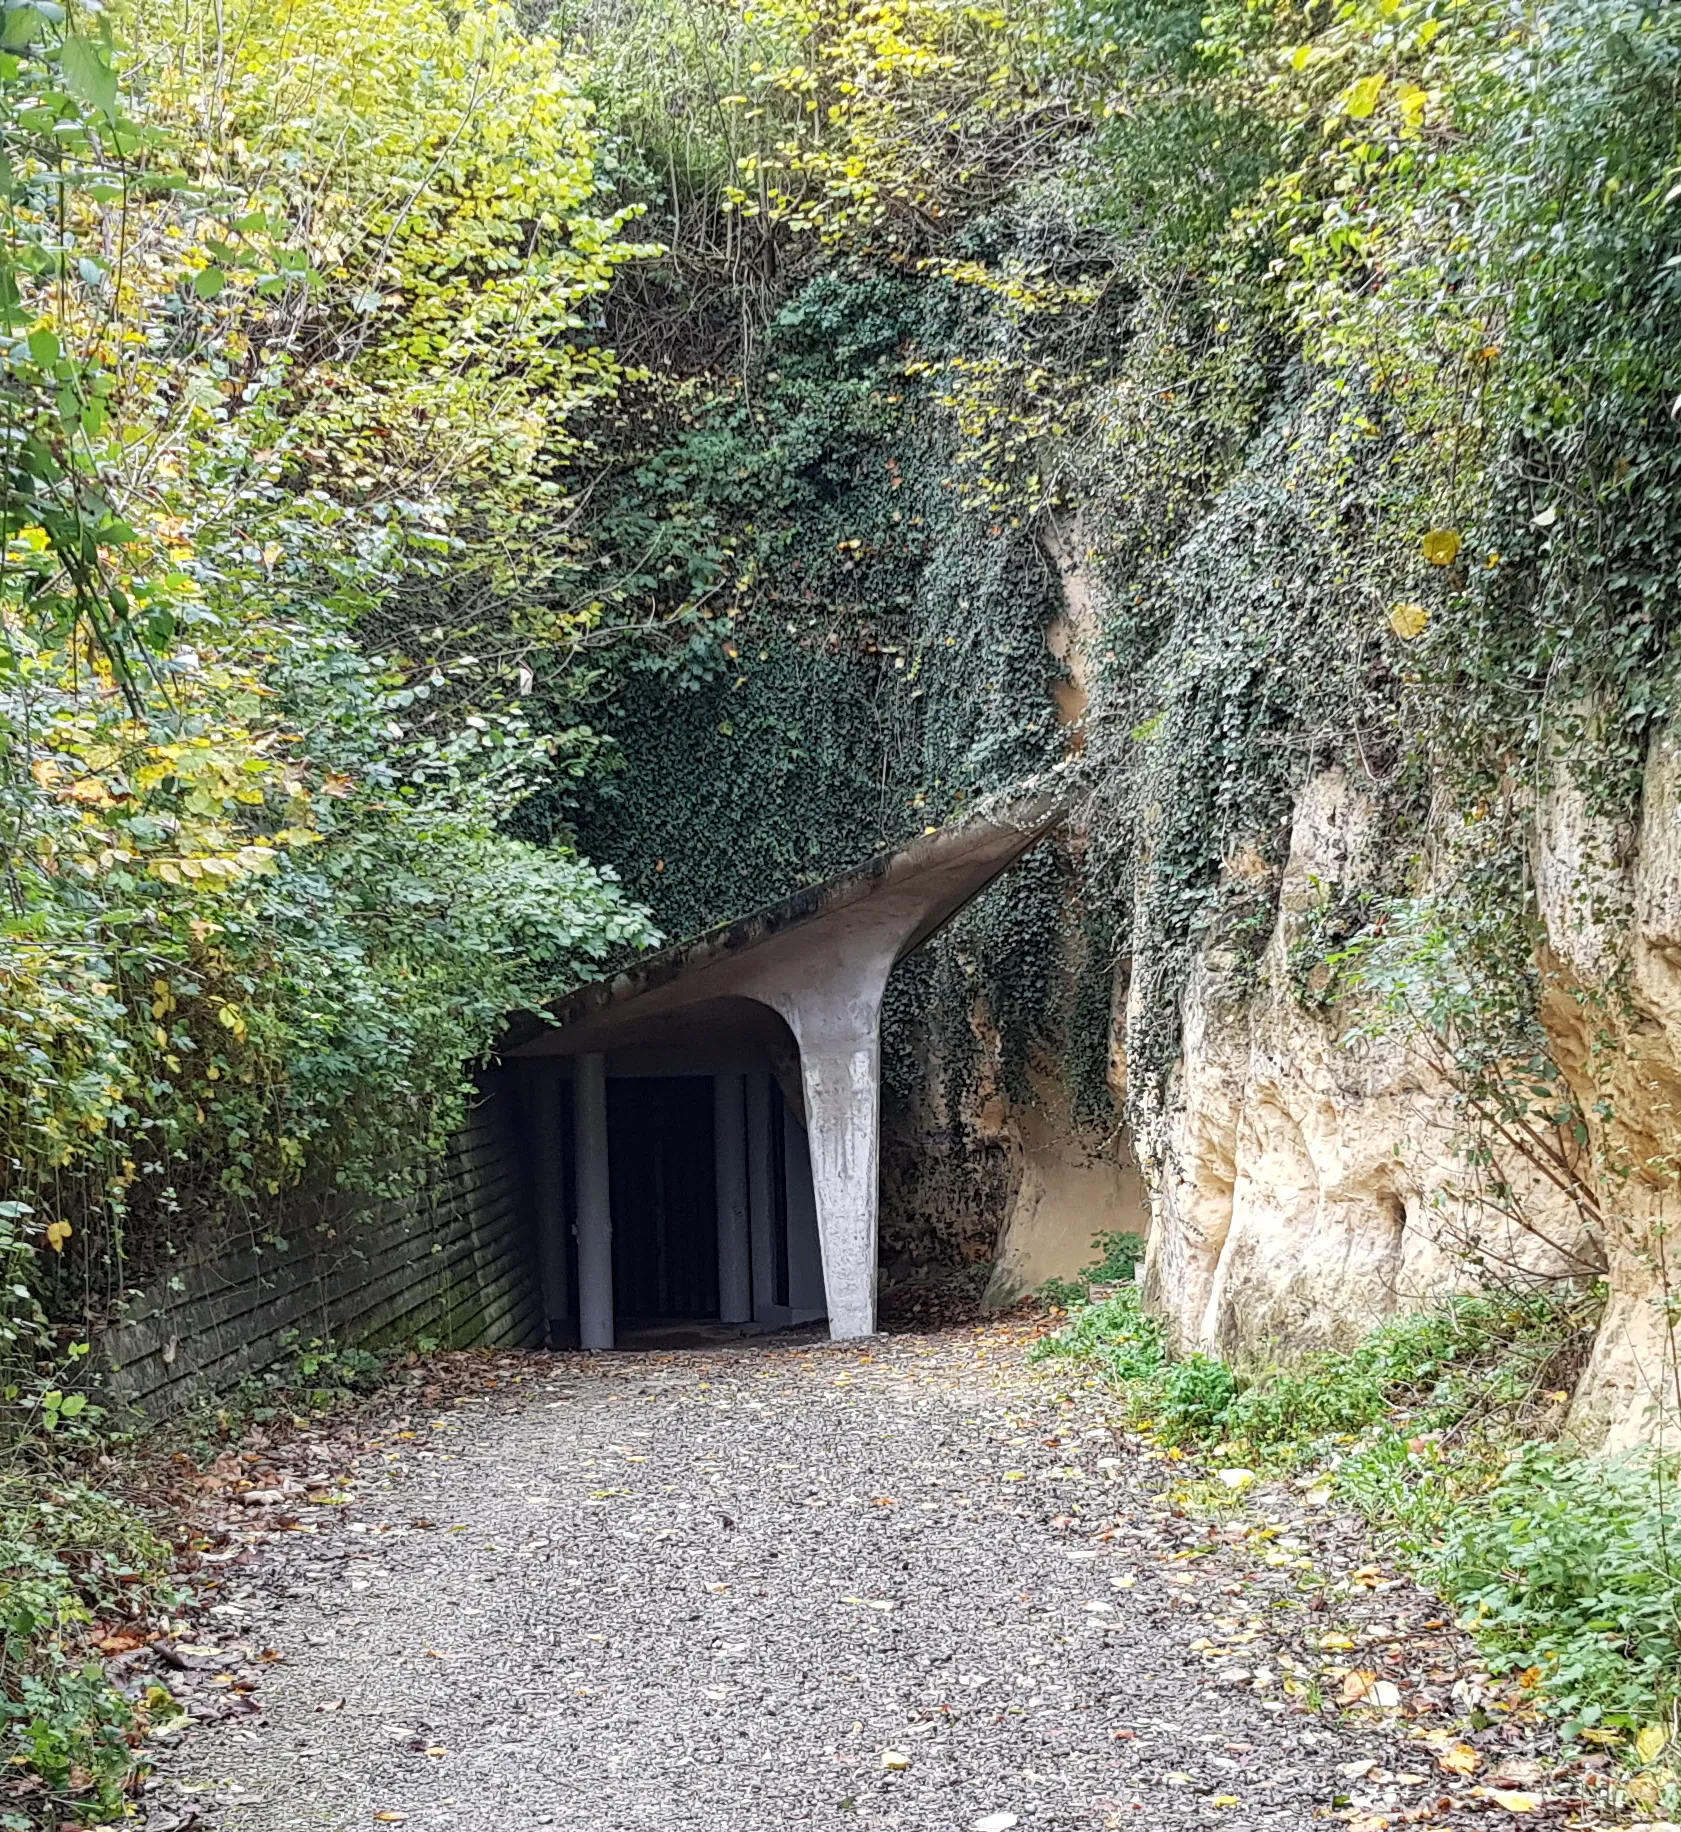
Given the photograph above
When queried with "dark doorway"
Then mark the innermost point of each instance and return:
(665, 1218)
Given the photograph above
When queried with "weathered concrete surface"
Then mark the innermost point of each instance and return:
(820, 961)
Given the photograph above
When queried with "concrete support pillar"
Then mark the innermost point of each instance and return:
(761, 1192)
(735, 1262)
(833, 1006)
(594, 1202)
(542, 1125)
(840, 1066)
(807, 1293)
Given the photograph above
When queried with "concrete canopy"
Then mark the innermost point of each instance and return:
(819, 960)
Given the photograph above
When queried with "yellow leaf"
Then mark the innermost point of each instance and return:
(1459, 1759)
(1337, 1644)
(1512, 1802)
(1649, 1743)
(1226, 1800)
(58, 1232)
(1441, 546)
(1355, 1684)
(1363, 97)
(1408, 620)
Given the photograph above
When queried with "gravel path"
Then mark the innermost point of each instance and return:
(780, 1584)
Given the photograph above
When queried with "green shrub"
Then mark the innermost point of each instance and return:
(1118, 1337)
(1566, 1564)
(1475, 1355)
(1572, 1565)
(1118, 1257)
(1193, 1397)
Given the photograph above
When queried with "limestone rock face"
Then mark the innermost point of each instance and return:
(1613, 1010)
(1309, 1173)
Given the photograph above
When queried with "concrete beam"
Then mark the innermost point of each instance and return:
(542, 1092)
(761, 1194)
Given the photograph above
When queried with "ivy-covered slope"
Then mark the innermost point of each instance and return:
(880, 655)
(1338, 348)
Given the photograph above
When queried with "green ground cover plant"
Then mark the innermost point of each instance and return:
(1442, 1427)
(76, 1564)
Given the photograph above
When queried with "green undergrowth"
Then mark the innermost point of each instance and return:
(1120, 1255)
(82, 1564)
(1443, 1428)
(77, 1565)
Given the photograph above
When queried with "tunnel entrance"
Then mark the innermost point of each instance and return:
(711, 1209)
(781, 1012)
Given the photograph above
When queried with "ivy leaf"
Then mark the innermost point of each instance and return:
(88, 76)
(1363, 97)
(208, 282)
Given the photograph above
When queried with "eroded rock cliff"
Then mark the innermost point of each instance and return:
(1313, 1166)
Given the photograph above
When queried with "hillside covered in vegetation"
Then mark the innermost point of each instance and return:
(485, 488)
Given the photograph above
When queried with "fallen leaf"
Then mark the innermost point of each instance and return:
(1512, 1801)
(1458, 1759)
(1226, 1800)
(1408, 620)
(1441, 546)
(1648, 1743)
(895, 1759)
